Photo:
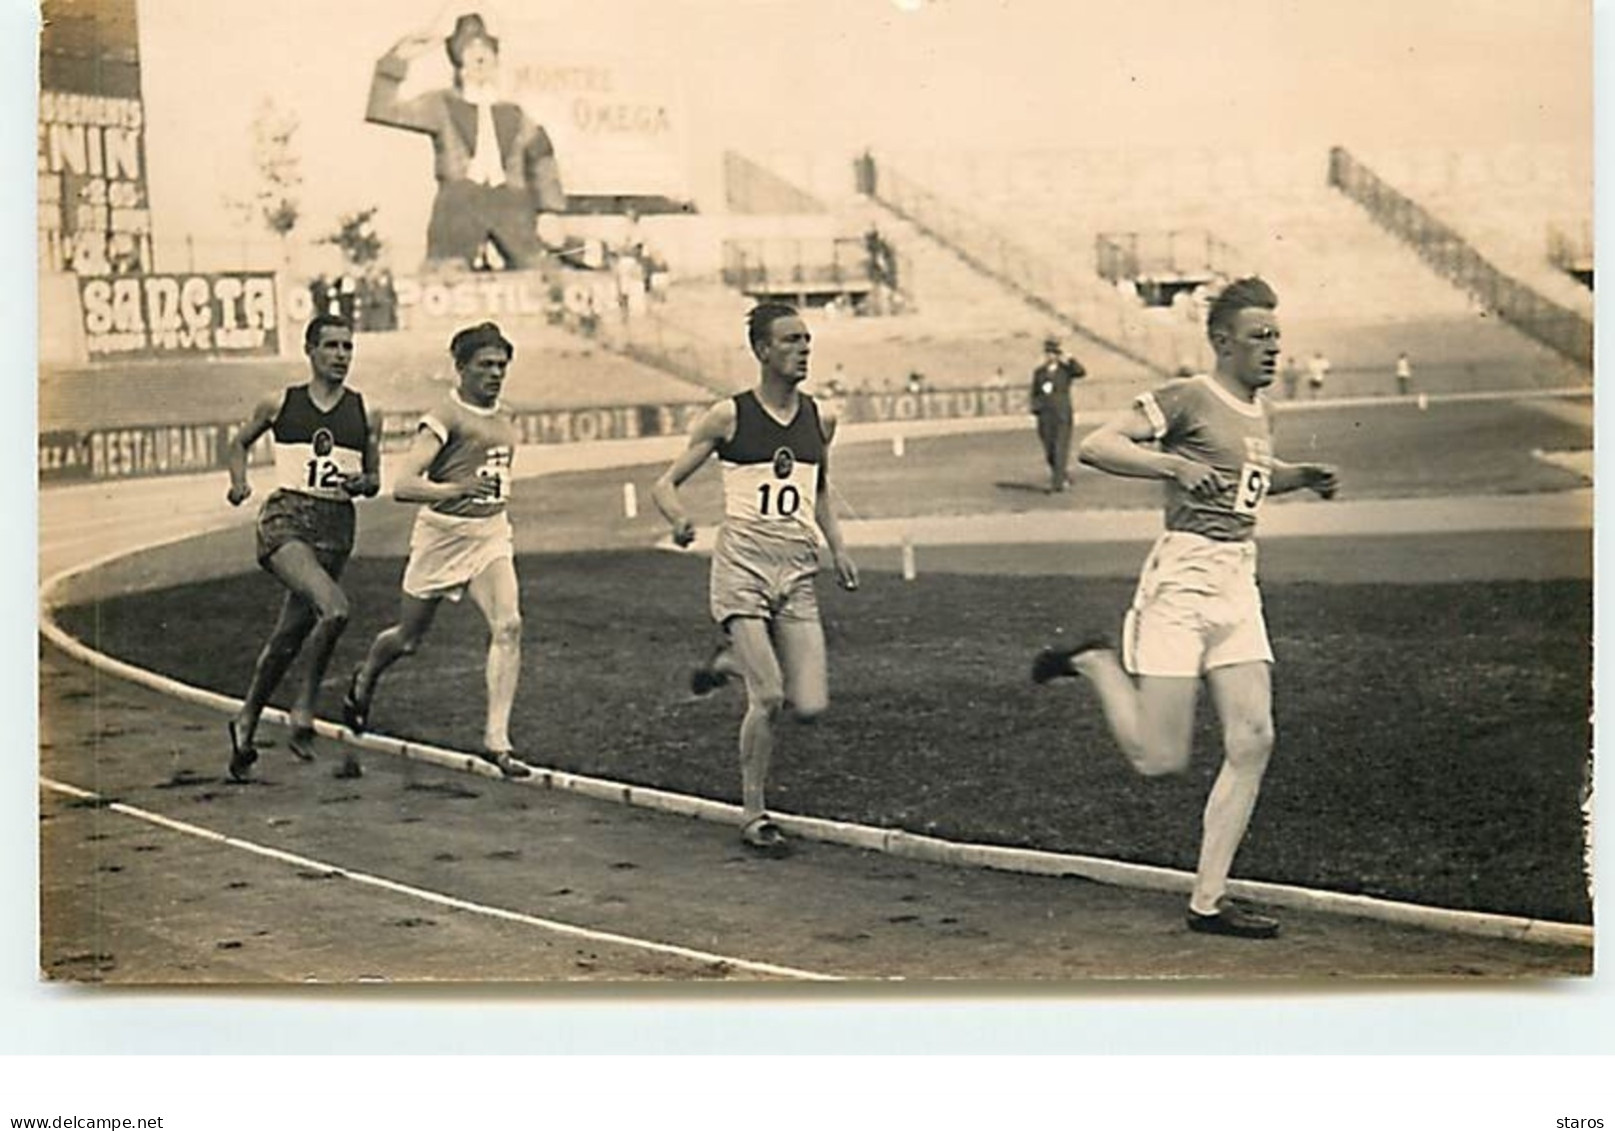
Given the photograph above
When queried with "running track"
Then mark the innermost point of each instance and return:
(402, 876)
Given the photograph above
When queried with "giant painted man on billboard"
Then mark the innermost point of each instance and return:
(496, 169)
(518, 120)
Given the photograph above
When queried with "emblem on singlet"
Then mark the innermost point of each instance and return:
(323, 442)
(784, 463)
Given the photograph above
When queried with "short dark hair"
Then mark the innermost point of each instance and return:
(311, 332)
(465, 344)
(1241, 294)
(761, 317)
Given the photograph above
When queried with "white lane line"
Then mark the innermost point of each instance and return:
(438, 898)
(893, 841)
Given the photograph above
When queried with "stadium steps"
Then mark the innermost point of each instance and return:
(1505, 203)
(1347, 287)
(957, 328)
(696, 334)
(942, 292)
(1070, 297)
(1449, 252)
(751, 188)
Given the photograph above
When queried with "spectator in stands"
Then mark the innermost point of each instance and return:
(865, 174)
(658, 276)
(319, 292)
(998, 380)
(1317, 374)
(1404, 375)
(345, 294)
(386, 299)
(630, 281)
(882, 259)
(364, 306)
(1051, 405)
(915, 383)
(589, 319)
(1291, 377)
(633, 241)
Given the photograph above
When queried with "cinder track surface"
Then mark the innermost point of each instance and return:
(549, 886)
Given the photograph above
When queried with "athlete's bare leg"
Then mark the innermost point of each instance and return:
(285, 640)
(301, 572)
(752, 652)
(495, 592)
(1243, 696)
(800, 645)
(1151, 718)
(392, 644)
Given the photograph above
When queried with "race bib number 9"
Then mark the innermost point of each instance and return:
(1254, 481)
(501, 482)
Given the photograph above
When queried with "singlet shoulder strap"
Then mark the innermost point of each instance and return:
(811, 407)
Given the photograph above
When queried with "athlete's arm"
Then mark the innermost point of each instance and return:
(384, 107)
(1321, 478)
(543, 173)
(237, 447)
(367, 484)
(716, 425)
(1124, 446)
(413, 486)
(824, 513)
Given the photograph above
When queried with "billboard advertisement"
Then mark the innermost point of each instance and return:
(140, 451)
(180, 315)
(94, 214)
(523, 127)
(616, 122)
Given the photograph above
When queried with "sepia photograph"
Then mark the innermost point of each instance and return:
(1003, 493)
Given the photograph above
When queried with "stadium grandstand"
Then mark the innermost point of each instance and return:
(949, 269)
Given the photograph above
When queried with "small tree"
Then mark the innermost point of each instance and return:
(356, 236)
(275, 201)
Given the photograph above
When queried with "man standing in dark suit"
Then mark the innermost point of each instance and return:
(1051, 405)
(496, 169)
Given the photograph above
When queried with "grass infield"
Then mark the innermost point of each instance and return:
(1433, 739)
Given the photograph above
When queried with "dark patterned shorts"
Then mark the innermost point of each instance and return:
(326, 526)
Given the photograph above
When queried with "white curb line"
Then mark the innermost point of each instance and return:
(896, 842)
